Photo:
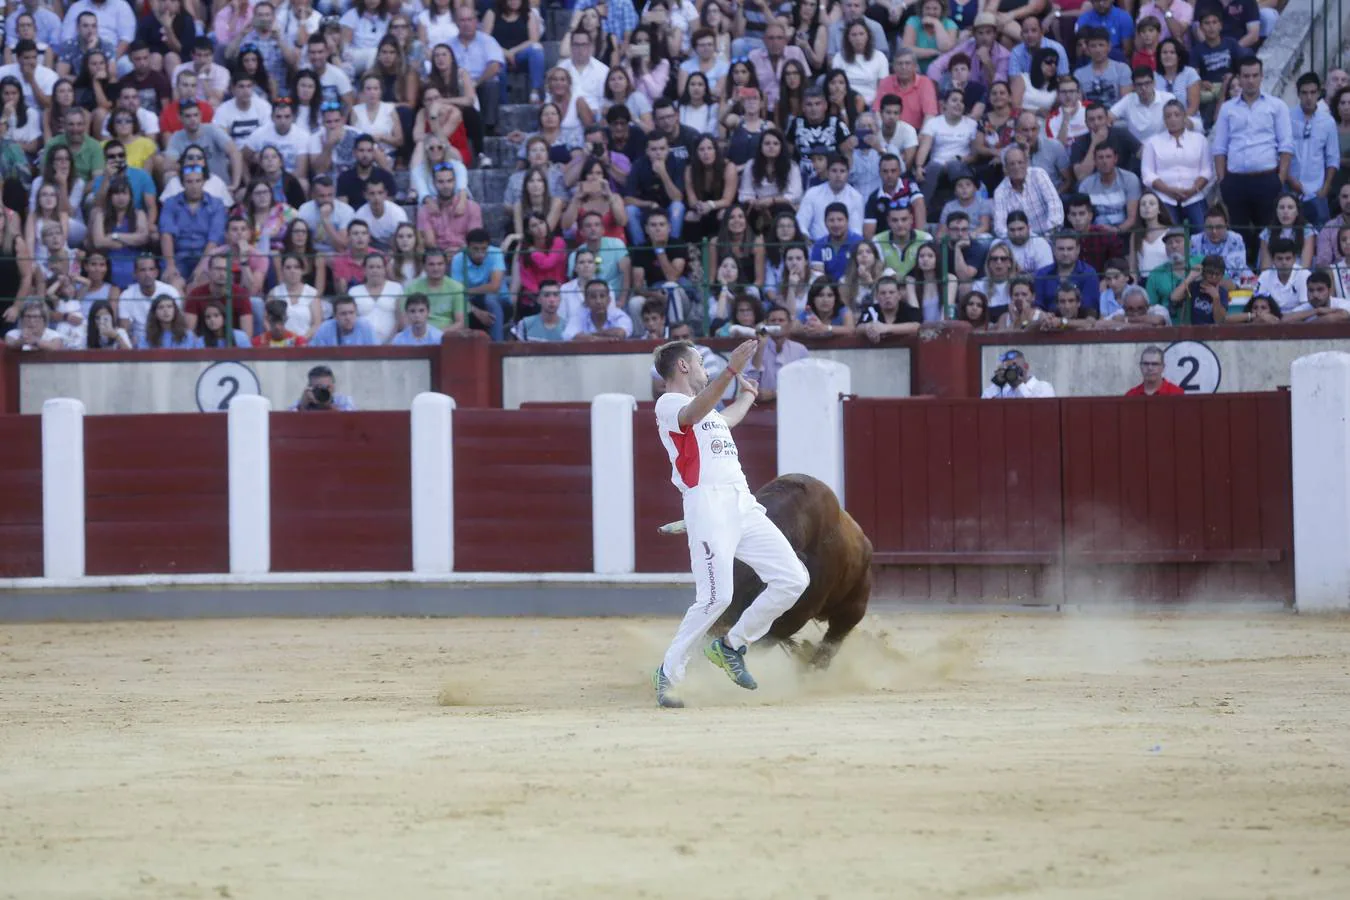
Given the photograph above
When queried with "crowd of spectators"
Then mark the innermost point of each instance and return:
(181, 174)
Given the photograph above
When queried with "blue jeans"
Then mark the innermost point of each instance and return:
(1192, 215)
(1317, 211)
(534, 64)
(637, 237)
(493, 304)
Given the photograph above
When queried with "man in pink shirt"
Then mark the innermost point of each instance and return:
(767, 61)
(917, 92)
(445, 220)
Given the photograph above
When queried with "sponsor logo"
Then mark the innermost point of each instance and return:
(716, 446)
(707, 551)
(712, 578)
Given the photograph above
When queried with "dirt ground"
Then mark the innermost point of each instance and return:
(944, 756)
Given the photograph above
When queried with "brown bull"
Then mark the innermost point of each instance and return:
(836, 553)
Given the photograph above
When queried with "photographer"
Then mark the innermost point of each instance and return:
(615, 164)
(1013, 378)
(320, 393)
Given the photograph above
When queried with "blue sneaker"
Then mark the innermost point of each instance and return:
(663, 687)
(731, 661)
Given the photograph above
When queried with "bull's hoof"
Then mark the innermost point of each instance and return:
(823, 655)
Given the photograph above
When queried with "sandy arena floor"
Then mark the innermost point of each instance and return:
(944, 756)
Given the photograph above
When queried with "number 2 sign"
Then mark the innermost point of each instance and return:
(221, 382)
(1193, 367)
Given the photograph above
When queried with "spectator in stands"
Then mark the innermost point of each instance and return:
(327, 216)
(836, 191)
(1036, 89)
(946, 145)
(418, 332)
(768, 61)
(1151, 367)
(611, 255)
(1029, 191)
(32, 331)
(1114, 192)
(166, 327)
(1012, 377)
(1067, 266)
(1288, 223)
(1174, 75)
(545, 325)
(32, 75)
(320, 394)
(213, 332)
(1173, 266)
(479, 54)
(917, 93)
(1317, 153)
(894, 189)
(893, 313)
(1069, 314)
(302, 308)
(1148, 244)
(1285, 282)
(654, 317)
(899, 243)
(1135, 312)
(1321, 307)
(1083, 153)
(445, 296)
(588, 74)
(70, 54)
(1104, 79)
(1261, 310)
(1253, 145)
(1326, 252)
(1201, 298)
(218, 289)
(345, 329)
(600, 319)
(655, 182)
(1098, 243)
(1177, 165)
(378, 299)
(381, 216)
(1141, 110)
(830, 253)
(276, 334)
(1046, 154)
(1218, 240)
(770, 184)
(988, 58)
(658, 260)
(541, 256)
(1021, 313)
(103, 330)
(481, 269)
(817, 131)
(454, 214)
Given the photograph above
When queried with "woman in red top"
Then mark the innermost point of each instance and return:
(542, 257)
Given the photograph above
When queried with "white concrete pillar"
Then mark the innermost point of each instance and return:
(811, 420)
(250, 479)
(433, 484)
(613, 508)
(1320, 413)
(63, 488)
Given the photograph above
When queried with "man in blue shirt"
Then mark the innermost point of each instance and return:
(1117, 23)
(831, 253)
(481, 56)
(416, 311)
(1317, 151)
(191, 224)
(345, 329)
(1067, 267)
(142, 185)
(1253, 145)
(1033, 40)
(481, 268)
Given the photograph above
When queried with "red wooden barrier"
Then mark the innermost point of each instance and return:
(341, 499)
(21, 490)
(960, 497)
(156, 494)
(523, 490)
(658, 501)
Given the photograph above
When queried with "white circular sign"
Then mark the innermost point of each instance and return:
(1193, 367)
(221, 382)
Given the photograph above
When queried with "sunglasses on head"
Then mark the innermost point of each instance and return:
(1008, 356)
(330, 106)
(192, 170)
(442, 167)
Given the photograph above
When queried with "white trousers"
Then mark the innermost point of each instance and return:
(725, 524)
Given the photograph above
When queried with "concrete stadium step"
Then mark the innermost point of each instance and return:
(488, 185)
(517, 117)
(502, 151)
(555, 23)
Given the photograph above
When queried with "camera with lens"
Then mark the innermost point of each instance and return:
(322, 395)
(597, 149)
(1012, 375)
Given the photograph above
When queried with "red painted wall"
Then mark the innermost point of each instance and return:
(523, 490)
(658, 501)
(21, 490)
(341, 500)
(156, 494)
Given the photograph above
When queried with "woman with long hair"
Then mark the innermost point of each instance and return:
(746, 311)
(730, 281)
(741, 75)
(363, 25)
(1147, 250)
(619, 91)
(94, 89)
(304, 310)
(710, 185)
(457, 89)
(372, 116)
(298, 241)
(926, 287)
(791, 89)
(436, 23)
(442, 121)
(865, 268)
(605, 46)
(562, 142)
(1174, 74)
(647, 63)
(411, 49)
(537, 159)
(519, 29)
(929, 33)
(746, 125)
(285, 187)
(825, 313)
(770, 244)
(16, 262)
(379, 302)
(212, 330)
(104, 333)
(94, 284)
(536, 200)
(120, 230)
(1036, 90)
(58, 170)
(166, 327)
(594, 195)
(398, 80)
(695, 109)
(734, 238)
(974, 311)
(861, 62)
(559, 91)
(811, 32)
(406, 254)
(1290, 224)
(842, 99)
(794, 284)
(267, 217)
(771, 184)
(251, 63)
(61, 100)
(24, 129)
(307, 94)
(541, 256)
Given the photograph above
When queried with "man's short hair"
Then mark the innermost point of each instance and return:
(433, 251)
(203, 43)
(1077, 200)
(478, 236)
(836, 207)
(1282, 245)
(416, 299)
(957, 216)
(1065, 235)
(25, 46)
(80, 17)
(1018, 215)
(958, 59)
(546, 284)
(836, 159)
(668, 354)
(1249, 61)
(813, 90)
(653, 214)
(316, 40)
(137, 45)
(238, 78)
(1308, 78)
(892, 100)
(275, 310)
(1149, 22)
(343, 300)
(773, 308)
(1116, 263)
(662, 103)
(1025, 280)
(1094, 33)
(596, 281)
(1217, 211)
(654, 304)
(1068, 287)
(889, 279)
(1142, 71)
(1213, 263)
(618, 113)
(1320, 277)
(1151, 350)
(322, 371)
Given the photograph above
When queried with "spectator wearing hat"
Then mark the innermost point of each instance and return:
(1253, 146)
(1151, 367)
(1012, 379)
(988, 58)
(1164, 279)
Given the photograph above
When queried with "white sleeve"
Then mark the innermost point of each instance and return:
(668, 408)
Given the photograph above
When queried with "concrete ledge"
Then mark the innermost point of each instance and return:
(336, 579)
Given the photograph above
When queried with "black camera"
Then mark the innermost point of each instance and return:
(597, 149)
(1012, 375)
(322, 395)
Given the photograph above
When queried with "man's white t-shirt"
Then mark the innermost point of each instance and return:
(949, 141)
(588, 82)
(134, 306)
(237, 123)
(292, 145)
(702, 454)
(1291, 294)
(382, 228)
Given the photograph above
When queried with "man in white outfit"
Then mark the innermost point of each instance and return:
(723, 519)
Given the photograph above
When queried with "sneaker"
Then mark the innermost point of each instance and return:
(732, 661)
(534, 98)
(663, 686)
(484, 161)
